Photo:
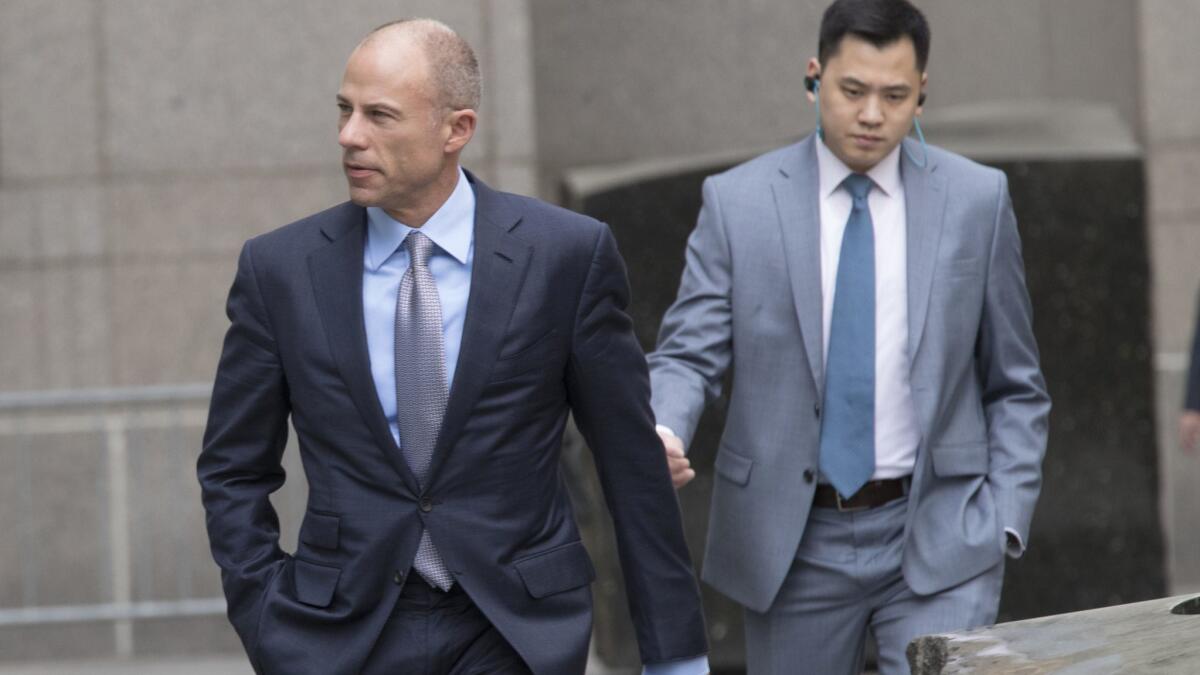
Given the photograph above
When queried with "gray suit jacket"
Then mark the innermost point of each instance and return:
(750, 299)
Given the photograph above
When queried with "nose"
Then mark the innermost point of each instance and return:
(871, 113)
(350, 134)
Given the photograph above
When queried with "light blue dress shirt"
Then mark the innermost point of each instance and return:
(385, 260)
(696, 666)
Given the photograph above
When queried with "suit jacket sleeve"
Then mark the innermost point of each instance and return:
(694, 344)
(608, 389)
(1015, 401)
(239, 465)
(1192, 402)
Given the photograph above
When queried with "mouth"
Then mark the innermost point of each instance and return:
(866, 140)
(358, 171)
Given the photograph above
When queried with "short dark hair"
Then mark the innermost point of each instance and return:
(880, 22)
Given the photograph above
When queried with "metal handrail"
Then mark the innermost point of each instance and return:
(193, 392)
(26, 616)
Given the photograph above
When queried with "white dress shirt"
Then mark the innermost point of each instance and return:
(897, 434)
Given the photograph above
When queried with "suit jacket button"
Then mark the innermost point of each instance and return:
(808, 475)
(426, 504)
(817, 410)
(399, 578)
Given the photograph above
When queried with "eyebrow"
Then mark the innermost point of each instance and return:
(892, 88)
(378, 105)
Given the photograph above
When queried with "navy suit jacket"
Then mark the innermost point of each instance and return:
(546, 332)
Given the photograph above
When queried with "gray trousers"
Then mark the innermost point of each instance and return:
(846, 580)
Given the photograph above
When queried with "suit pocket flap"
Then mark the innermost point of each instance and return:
(557, 570)
(315, 583)
(960, 459)
(319, 530)
(733, 466)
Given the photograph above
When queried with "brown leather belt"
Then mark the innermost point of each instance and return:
(874, 493)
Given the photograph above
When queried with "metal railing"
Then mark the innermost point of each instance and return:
(143, 495)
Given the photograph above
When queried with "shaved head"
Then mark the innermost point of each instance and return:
(453, 68)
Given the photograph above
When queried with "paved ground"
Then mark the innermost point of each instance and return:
(195, 666)
(233, 665)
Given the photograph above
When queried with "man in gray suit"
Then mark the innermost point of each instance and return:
(888, 414)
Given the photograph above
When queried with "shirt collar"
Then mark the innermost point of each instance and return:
(451, 227)
(832, 171)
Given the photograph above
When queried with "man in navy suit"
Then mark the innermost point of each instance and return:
(428, 339)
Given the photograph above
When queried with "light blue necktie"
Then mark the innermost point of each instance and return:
(847, 456)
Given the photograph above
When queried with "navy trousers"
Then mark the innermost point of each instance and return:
(432, 632)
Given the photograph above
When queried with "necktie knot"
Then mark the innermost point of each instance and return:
(419, 248)
(858, 185)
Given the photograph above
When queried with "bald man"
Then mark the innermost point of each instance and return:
(427, 340)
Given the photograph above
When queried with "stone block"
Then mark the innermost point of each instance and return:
(49, 94)
(1083, 36)
(57, 641)
(170, 316)
(618, 81)
(50, 223)
(1175, 247)
(1171, 173)
(16, 583)
(18, 236)
(995, 50)
(20, 326)
(515, 176)
(212, 214)
(180, 636)
(75, 329)
(510, 97)
(59, 503)
(169, 551)
(229, 85)
(1169, 32)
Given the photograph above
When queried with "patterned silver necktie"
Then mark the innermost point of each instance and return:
(421, 389)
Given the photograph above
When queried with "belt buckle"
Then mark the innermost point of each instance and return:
(846, 509)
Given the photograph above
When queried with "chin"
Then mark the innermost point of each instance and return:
(363, 198)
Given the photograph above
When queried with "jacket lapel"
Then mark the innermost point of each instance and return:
(337, 271)
(925, 206)
(796, 190)
(500, 263)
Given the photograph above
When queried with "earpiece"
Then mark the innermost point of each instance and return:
(813, 84)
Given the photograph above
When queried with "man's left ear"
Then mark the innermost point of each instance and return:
(462, 128)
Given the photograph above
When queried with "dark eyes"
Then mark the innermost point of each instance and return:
(892, 97)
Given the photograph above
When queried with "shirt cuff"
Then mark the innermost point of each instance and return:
(666, 429)
(1014, 547)
(693, 666)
